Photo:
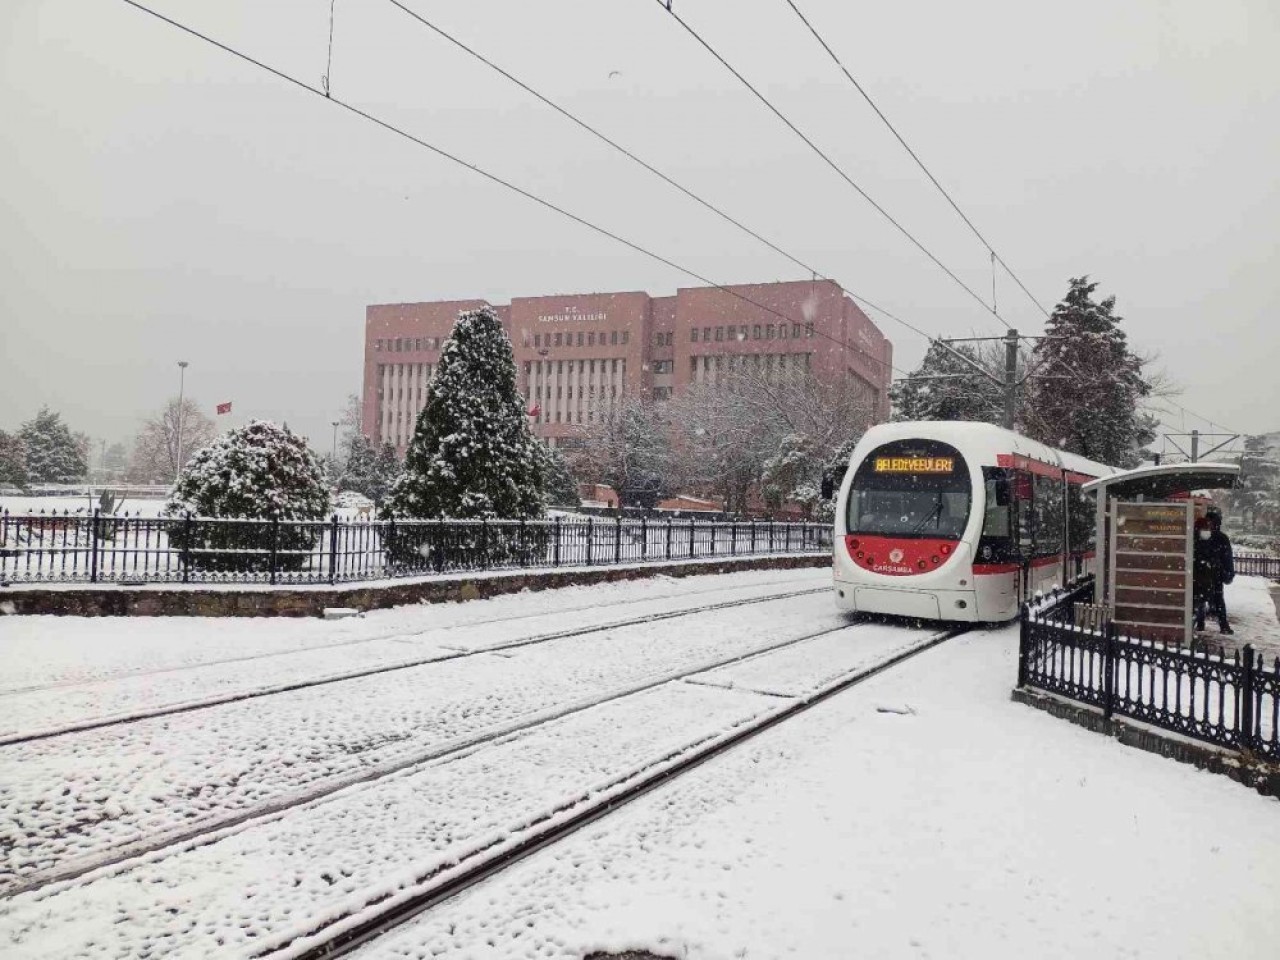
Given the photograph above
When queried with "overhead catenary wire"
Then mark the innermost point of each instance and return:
(604, 138)
(995, 257)
(492, 177)
(684, 24)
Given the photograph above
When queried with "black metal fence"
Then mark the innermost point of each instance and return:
(98, 548)
(1250, 564)
(1231, 700)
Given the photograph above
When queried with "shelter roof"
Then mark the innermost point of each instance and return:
(1159, 482)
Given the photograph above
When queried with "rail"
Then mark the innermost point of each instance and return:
(106, 548)
(1231, 701)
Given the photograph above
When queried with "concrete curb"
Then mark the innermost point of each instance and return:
(1262, 777)
(310, 601)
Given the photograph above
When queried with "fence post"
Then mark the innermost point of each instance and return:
(388, 542)
(1109, 671)
(93, 547)
(590, 537)
(771, 534)
(522, 552)
(753, 534)
(187, 532)
(617, 539)
(1244, 715)
(692, 521)
(484, 543)
(333, 550)
(1024, 644)
(275, 547)
(556, 554)
(733, 538)
(644, 537)
(668, 536)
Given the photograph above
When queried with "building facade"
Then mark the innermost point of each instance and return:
(578, 354)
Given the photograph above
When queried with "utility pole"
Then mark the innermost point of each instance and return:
(182, 377)
(1195, 446)
(335, 445)
(1010, 377)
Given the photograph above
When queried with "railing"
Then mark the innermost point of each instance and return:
(1230, 701)
(1251, 564)
(98, 548)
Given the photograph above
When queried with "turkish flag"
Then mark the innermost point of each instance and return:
(224, 408)
(534, 410)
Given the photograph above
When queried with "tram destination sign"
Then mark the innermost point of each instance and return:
(915, 464)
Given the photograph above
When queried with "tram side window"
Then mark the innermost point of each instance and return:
(1083, 530)
(1048, 515)
(995, 518)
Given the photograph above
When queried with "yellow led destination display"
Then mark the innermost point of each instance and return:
(915, 464)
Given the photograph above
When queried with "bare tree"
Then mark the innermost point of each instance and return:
(629, 448)
(760, 428)
(155, 448)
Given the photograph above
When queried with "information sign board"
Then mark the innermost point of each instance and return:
(1151, 569)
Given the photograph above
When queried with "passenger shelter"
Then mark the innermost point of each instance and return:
(1145, 531)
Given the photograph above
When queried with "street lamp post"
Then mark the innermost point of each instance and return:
(182, 376)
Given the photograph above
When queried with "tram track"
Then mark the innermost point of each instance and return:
(352, 933)
(450, 655)
(375, 638)
(163, 842)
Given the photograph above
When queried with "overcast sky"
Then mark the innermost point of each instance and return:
(160, 200)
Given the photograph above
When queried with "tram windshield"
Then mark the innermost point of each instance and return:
(910, 488)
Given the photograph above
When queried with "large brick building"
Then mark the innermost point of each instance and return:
(576, 353)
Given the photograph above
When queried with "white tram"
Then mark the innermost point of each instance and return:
(959, 521)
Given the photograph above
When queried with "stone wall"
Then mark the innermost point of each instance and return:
(310, 601)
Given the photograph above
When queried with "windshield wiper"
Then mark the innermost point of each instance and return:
(934, 514)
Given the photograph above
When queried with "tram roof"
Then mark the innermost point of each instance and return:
(1166, 479)
(983, 441)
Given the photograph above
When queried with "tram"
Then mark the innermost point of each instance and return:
(959, 521)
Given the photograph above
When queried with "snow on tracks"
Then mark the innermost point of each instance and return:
(71, 803)
(362, 851)
(58, 710)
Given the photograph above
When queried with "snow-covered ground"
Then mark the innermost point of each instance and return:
(1251, 611)
(919, 814)
(922, 814)
(133, 506)
(71, 800)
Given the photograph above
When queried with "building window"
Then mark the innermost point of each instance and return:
(663, 366)
(662, 393)
(693, 334)
(808, 329)
(591, 339)
(782, 331)
(378, 346)
(579, 338)
(613, 338)
(755, 332)
(537, 339)
(719, 334)
(559, 339)
(769, 332)
(626, 336)
(706, 334)
(559, 366)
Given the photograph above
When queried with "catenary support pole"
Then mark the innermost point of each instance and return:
(1010, 377)
(182, 383)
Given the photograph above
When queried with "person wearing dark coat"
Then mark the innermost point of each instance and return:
(1214, 568)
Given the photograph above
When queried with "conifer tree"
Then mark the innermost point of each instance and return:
(1088, 400)
(561, 487)
(472, 454)
(964, 394)
(13, 460)
(384, 471)
(53, 455)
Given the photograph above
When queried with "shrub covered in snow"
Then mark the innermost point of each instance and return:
(52, 454)
(259, 472)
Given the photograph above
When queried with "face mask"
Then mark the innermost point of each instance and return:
(1205, 534)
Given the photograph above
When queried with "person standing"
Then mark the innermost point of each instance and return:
(1214, 568)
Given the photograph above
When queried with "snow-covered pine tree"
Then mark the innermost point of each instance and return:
(259, 472)
(1088, 402)
(357, 472)
(964, 395)
(561, 487)
(384, 472)
(472, 454)
(53, 456)
(13, 460)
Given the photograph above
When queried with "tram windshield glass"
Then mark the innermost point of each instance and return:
(910, 488)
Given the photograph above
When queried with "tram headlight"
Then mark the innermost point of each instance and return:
(946, 549)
